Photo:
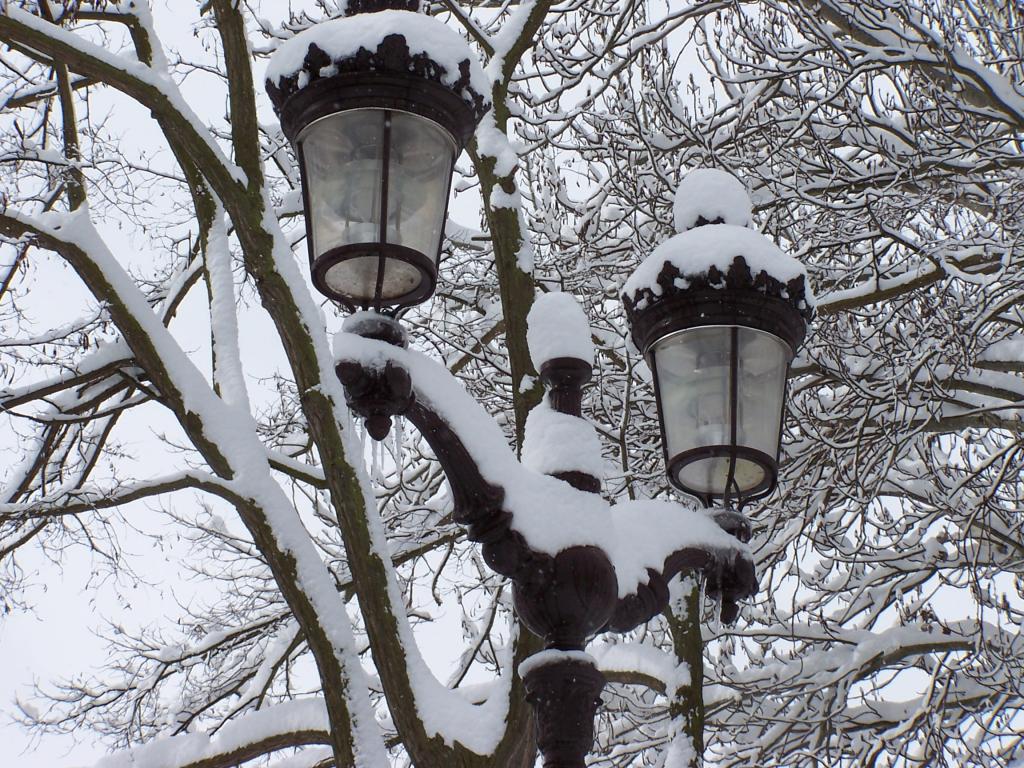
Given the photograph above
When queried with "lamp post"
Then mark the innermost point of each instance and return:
(378, 107)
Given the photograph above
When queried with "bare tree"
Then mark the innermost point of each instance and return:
(881, 142)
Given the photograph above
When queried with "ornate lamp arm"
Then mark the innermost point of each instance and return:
(565, 595)
(378, 393)
(478, 504)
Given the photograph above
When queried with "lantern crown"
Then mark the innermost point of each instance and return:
(352, 62)
(352, 7)
(717, 270)
(718, 273)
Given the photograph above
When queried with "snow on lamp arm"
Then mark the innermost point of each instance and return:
(719, 312)
(578, 564)
(378, 105)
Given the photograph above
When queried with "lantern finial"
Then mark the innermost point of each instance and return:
(711, 196)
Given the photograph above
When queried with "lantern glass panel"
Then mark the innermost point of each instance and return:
(697, 398)
(421, 160)
(343, 156)
(375, 178)
(763, 365)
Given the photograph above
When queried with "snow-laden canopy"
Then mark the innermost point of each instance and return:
(176, 437)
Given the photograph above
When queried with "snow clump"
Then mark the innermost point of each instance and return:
(715, 196)
(696, 251)
(557, 442)
(557, 327)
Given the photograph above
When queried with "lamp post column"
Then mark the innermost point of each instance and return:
(563, 683)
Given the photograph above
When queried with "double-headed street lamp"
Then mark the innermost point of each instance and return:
(378, 105)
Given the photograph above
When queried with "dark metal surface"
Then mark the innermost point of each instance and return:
(379, 328)
(581, 481)
(736, 524)
(573, 603)
(695, 307)
(564, 378)
(565, 696)
(376, 395)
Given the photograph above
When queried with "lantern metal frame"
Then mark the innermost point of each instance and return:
(389, 94)
(742, 302)
(675, 462)
(391, 79)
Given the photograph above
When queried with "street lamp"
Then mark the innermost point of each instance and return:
(719, 311)
(378, 109)
(354, 95)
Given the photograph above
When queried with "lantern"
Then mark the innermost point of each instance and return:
(719, 312)
(378, 107)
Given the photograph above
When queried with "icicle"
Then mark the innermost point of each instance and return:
(397, 438)
(377, 455)
(360, 431)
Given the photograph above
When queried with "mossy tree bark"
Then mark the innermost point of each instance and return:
(510, 241)
(686, 703)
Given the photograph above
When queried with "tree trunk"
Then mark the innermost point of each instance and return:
(686, 703)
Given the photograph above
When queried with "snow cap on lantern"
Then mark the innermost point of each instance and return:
(379, 104)
(387, 42)
(711, 196)
(719, 312)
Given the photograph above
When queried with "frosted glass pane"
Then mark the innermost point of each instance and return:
(763, 360)
(343, 157)
(693, 381)
(711, 475)
(421, 161)
(357, 277)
